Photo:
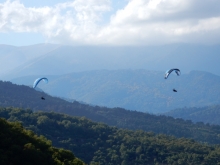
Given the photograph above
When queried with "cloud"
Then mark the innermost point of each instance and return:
(166, 21)
(140, 22)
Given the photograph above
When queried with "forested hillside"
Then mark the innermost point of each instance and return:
(99, 144)
(140, 90)
(25, 97)
(21, 146)
(208, 114)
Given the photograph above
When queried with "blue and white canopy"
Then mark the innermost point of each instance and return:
(167, 73)
(36, 82)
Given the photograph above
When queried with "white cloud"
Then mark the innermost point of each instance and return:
(165, 21)
(139, 22)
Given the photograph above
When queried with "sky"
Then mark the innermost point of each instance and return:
(109, 22)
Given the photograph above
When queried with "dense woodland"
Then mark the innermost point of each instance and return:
(208, 114)
(21, 146)
(26, 97)
(99, 144)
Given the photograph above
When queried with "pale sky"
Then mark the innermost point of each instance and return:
(109, 22)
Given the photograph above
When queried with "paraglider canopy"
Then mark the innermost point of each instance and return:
(36, 82)
(167, 73)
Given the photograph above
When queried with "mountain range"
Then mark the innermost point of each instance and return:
(74, 75)
(49, 59)
(139, 90)
(66, 124)
(27, 98)
(12, 57)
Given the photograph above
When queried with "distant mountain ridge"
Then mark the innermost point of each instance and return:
(140, 90)
(63, 59)
(12, 56)
(207, 114)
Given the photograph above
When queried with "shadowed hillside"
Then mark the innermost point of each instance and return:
(26, 97)
(97, 143)
(20, 146)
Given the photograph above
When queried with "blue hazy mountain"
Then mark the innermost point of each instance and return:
(12, 57)
(207, 114)
(140, 90)
(60, 59)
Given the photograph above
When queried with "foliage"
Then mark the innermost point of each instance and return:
(25, 97)
(97, 143)
(20, 146)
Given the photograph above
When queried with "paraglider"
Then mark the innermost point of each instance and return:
(167, 73)
(36, 82)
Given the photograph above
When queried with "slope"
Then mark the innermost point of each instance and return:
(26, 97)
(97, 143)
(12, 57)
(20, 146)
(140, 90)
(68, 59)
(207, 114)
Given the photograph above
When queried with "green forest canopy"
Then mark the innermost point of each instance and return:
(21, 146)
(97, 143)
